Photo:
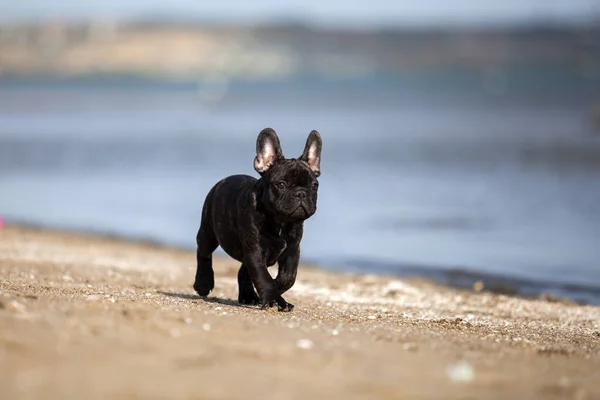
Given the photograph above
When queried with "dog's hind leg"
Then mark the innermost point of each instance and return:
(246, 295)
(205, 276)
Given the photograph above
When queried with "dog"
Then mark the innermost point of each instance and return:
(260, 222)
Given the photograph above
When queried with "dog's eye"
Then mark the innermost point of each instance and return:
(315, 186)
(280, 185)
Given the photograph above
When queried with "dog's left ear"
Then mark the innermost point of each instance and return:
(312, 152)
(268, 150)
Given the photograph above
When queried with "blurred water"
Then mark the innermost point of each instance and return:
(455, 184)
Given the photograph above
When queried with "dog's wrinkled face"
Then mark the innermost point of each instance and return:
(290, 186)
(291, 190)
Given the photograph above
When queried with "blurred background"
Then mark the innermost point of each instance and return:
(461, 141)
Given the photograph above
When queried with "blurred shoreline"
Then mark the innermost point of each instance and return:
(189, 50)
(455, 279)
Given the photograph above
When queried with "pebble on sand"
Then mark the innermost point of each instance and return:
(478, 286)
(409, 346)
(17, 307)
(460, 372)
(304, 344)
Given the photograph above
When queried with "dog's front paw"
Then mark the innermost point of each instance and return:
(276, 300)
(287, 308)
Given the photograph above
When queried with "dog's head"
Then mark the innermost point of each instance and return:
(289, 185)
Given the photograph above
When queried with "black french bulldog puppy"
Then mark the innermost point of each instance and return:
(260, 222)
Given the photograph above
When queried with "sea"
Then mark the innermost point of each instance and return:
(451, 175)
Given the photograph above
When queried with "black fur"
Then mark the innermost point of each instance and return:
(259, 222)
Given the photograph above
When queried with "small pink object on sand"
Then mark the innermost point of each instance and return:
(1, 222)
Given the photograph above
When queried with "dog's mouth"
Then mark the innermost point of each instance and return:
(299, 213)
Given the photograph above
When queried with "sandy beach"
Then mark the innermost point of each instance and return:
(93, 317)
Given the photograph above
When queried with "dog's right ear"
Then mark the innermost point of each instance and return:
(268, 150)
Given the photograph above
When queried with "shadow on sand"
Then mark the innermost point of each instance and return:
(216, 300)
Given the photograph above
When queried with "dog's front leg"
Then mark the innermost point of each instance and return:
(263, 282)
(273, 246)
(288, 268)
(290, 257)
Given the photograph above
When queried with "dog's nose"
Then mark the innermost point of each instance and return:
(301, 194)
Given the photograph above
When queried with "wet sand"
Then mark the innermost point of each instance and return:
(93, 317)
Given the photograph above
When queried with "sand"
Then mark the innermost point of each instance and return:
(92, 317)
